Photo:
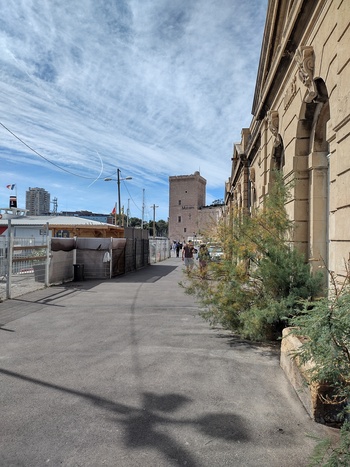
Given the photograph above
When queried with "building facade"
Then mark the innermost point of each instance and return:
(301, 127)
(37, 202)
(189, 217)
(187, 194)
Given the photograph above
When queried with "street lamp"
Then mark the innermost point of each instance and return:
(118, 180)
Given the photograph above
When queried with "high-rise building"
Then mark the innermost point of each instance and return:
(37, 202)
(186, 196)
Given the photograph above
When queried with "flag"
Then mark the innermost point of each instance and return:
(10, 187)
(113, 211)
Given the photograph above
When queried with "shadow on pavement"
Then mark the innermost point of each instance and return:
(24, 305)
(48, 298)
(142, 426)
(148, 274)
(5, 329)
(267, 349)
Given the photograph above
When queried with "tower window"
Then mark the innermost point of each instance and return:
(179, 219)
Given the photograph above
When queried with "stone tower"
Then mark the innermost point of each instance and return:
(186, 196)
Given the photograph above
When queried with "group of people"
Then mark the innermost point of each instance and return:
(176, 247)
(188, 255)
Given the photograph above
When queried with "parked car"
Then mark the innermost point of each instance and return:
(216, 253)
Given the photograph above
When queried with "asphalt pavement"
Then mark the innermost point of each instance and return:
(125, 373)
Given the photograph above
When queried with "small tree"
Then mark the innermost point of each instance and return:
(325, 327)
(262, 278)
(325, 324)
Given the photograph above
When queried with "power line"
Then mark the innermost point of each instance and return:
(43, 157)
(125, 185)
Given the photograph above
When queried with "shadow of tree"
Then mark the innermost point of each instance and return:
(267, 349)
(147, 274)
(143, 426)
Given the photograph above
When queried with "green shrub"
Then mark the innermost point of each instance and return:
(325, 326)
(328, 454)
(261, 279)
(325, 323)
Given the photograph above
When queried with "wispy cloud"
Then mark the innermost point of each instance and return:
(156, 88)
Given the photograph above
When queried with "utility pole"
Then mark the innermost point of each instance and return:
(118, 180)
(128, 213)
(154, 219)
(119, 206)
(143, 208)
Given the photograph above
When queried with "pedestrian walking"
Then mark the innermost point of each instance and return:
(173, 248)
(187, 256)
(178, 248)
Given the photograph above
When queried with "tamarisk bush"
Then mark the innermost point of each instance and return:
(258, 284)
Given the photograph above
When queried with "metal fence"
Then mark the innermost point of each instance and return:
(159, 249)
(27, 264)
(22, 266)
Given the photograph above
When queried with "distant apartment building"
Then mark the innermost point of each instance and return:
(37, 202)
(188, 214)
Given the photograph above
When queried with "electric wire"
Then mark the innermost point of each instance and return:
(70, 172)
(131, 198)
(43, 157)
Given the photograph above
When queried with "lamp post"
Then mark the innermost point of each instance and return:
(118, 180)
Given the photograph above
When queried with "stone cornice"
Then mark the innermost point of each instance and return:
(273, 69)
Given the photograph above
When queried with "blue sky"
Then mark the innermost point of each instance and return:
(154, 87)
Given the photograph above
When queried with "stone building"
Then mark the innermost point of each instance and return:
(301, 126)
(189, 217)
(186, 194)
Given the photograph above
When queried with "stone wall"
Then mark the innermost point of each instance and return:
(312, 395)
(301, 127)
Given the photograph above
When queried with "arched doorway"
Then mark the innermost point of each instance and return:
(312, 145)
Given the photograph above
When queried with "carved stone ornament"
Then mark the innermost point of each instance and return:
(305, 58)
(273, 122)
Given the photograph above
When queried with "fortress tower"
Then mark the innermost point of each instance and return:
(186, 196)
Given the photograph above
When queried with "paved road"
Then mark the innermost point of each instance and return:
(125, 373)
